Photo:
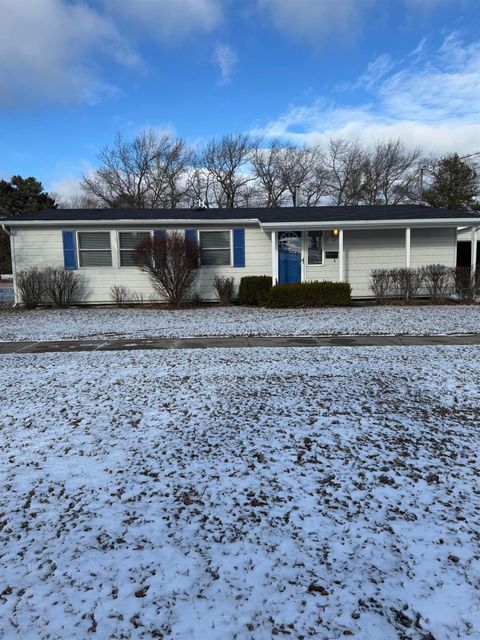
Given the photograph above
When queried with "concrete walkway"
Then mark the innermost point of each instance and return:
(130, 344)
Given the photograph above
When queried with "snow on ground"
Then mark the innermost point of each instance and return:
(54, 324)
(249, 494)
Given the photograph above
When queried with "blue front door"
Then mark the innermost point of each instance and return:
(289, 257)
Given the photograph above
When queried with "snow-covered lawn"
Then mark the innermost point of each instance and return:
(249, 494)
(51, 324)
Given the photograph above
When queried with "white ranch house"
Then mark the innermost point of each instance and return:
(290, 244)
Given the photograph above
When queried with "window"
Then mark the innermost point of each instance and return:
(215, 248)
(315, 247)
(94, 249)
(128, 242)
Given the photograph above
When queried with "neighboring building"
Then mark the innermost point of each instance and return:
(290, 244)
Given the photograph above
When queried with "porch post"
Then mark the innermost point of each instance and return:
(340, 256)
(274, 258)
(408, 247)
(473, 261)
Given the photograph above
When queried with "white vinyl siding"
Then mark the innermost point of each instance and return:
(315, 247)
(94, 249)
(128, 241)
(215, 248)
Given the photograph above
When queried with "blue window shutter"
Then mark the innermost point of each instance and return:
(69, 250)
(239, 247)
(191, 234)
(159, 233)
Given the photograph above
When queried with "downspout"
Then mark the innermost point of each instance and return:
(12, 255)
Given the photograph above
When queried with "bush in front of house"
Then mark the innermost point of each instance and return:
(253, 289)
(438, 280)
(403, 283)
(467, 284)
(171, 263)
(30, 286)
(381, 284)
(309, 294)
(51, 285)
(224, 289)
(406, 282)
(61, 286)
(119, 294)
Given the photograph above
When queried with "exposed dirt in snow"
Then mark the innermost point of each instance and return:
(54, 324)
(241, 494)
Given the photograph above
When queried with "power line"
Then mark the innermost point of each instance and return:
(470, 155)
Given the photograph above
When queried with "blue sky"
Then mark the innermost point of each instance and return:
(73, 73)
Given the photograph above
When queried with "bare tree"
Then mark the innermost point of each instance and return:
(269, 174)
(227, 162)
(78, 201)
(171, 263)
(391, 174)
(147, 172)
(344, 165)
(301, 174)
(198, 186)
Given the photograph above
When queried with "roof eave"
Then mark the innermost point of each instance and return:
(369, 224)
(132, 222)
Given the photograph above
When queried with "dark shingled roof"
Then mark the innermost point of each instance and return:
(276, 215)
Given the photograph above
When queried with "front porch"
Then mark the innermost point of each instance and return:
(348, 254)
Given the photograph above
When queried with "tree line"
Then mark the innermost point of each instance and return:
(159, 171)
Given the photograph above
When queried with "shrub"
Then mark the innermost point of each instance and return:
(171, 263)
(31, 287)
(136, 298)
(467, 285)
(224, 288)
(309, 294)
(196, 300)
(119, 294)
(253, 289)
(61, 286)
(406, 282)
(381, 284)
(437, 280)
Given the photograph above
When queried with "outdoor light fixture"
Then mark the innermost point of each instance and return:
(335, 233)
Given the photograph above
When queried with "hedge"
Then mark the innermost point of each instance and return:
(253, 289)
(309, 294)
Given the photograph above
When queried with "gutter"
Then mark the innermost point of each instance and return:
(136, 222)
(265, 226)
(371, 224)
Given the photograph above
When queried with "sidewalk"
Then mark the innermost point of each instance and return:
(131, 344)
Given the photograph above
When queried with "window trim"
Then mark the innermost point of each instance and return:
(77, 238)
(199, 241)
(119, 249)
(318, 264)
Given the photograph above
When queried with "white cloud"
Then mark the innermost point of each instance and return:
(315, 20)
(434, 105)
(168, 20)
(47, 49)
(375, 71)
(226, 59)
(65, 188)
(56, 50)
(312, 19)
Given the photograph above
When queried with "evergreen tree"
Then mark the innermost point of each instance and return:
(455, 184)
(19, 195)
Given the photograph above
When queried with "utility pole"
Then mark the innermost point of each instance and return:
(295, 194)
(423, 168)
